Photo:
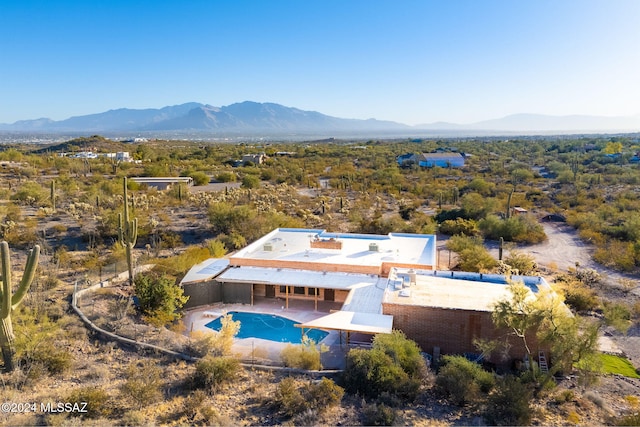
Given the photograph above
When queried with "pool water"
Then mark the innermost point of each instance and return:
(268, 327)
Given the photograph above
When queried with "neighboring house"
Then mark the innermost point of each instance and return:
(407, 160)
(120, 156)
(443, 160)
(256, 159)
(163, 183)
(380, 282)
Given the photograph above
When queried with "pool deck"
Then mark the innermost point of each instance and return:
(260, 349)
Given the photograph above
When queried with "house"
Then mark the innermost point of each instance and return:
(163, 183)
(446, 311)
(443, 160)
(120, 156)
(407, 160)
(379, 283)
(256, 159)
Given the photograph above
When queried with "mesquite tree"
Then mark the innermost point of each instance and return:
(9, 302)
(127, 232)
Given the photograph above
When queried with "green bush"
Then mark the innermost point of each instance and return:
(378, 414)
(629, 420)
(509, 404)
(143, 383)
(617, 315)
(97, 402)
(393, 365)
(199, 178)
(372, 372)
(403, 351)
(295, 397)
(226, 177)
(212, 371)
(303, 356)
(250, 181)
(525, 264)
(467, 227)
(463, 381)
(159, 297)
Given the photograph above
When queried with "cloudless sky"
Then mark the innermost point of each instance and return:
(409, 61)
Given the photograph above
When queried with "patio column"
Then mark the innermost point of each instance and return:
(286, 297)
(315, 298)
(252, 286)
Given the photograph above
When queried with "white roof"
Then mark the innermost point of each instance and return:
(205, 270)
(294, 244)
(292, 277)
(369, 323)
(462, 291)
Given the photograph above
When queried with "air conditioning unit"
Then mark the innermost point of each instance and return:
(268, 247)
(373, 247)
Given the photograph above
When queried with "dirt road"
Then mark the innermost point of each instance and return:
(562, 250)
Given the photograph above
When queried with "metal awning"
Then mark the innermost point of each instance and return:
(367, 323)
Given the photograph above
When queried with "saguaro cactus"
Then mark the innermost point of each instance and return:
(9, 302)
(127, 232)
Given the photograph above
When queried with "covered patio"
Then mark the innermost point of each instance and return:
(352, 323)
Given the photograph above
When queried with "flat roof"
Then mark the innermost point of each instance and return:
(294, 244)
(205, 270)
(368, 323)
(293, 277)
(446, 289)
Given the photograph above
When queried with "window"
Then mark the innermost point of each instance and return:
(298, 290)
(283, 289)
(313, 292)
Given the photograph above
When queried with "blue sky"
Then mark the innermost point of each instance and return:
(408, 61)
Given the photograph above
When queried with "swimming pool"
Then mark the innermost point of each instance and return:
(268, 327)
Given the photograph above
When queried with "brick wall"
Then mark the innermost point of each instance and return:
(451, 330)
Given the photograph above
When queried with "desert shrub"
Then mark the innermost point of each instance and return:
(250, 181)
(226, 177)
(467, 227)
(97, 400)
(629, 420)
(463, 381)
(525, 264)
(37, 346)
(143, 383)
(216, 344)
(403, 351)
(519, 228)
(211, 371)
(30, 193)
(509, 403)
(378, 414)
(595, 398)
(393, 365)
(618, 316)
(289, 398)
(303, 356)
(216, 248)
(579, 297)
(295, 397)
(472, 255)
(371, 372)
(159, 297)
(199, 178)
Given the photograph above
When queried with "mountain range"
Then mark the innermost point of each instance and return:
(254, 118)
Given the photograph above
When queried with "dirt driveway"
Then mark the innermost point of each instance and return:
(562, 250)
